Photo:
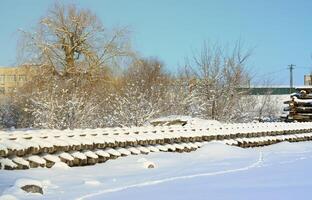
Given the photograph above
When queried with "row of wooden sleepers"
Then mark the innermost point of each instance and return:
(88, 157)
(51, 141)
(267, 140)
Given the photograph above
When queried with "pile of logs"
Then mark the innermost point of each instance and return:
(45, 148)
(300, 105)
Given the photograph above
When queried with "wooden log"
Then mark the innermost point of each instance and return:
(20, 162)
(7, 164)
(66, 158)
(50, 159)
(92, 158)
(35, 161)
(80, 159)
(103, 156)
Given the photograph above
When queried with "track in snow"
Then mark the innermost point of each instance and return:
(165, 180)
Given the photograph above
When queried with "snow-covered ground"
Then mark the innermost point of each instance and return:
(215, 171)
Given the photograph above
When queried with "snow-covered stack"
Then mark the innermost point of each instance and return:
(49, 148)
(300, 105)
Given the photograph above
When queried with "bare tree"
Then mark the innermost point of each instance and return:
(74, 54)
(70, 40)
(218, 73)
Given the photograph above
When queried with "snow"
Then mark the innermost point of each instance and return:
(3, 148)
(8, 197)
(60, 165)
(52, 158)
(20, 160)
(90, 154)
(149, 164)
(134, 150)
(22, 182)
(79, 155)
(190, 121)
(215, 171)
(124, 151)
(143, 149)
(102, 153)
(65, 156)
(36, 159)
(113, 152)
(7, 162)
(152, 149)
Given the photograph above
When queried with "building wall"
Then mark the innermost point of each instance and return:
(12, 78)
(307, 79)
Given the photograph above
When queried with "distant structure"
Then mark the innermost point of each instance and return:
(12, 78)
(308, 79)
(265, 90)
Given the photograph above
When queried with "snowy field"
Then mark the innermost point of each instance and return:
(215, 171)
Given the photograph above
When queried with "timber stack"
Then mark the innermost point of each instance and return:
(300, 105)
(44, 148)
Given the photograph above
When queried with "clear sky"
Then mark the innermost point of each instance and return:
(278, 31)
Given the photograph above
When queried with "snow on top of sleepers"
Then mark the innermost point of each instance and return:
(102, 153)
(161, 147)
(43, 143)
(36, 159)
(109, 139)
(192, 145)
(90, 154)
(50, 157)
(185, 145)
(3, 148)
(7, 162)
(152, 148)
(229, 142)
(58, 142)
(70, 141)
(27, 143)
(65, 155)
(134, 150)
(178, 146)
(78, 154)
(12, 145)
(112, 152)
(143, 149)
(199, 144)
(124, 151)
(83, 140)
(170, 147)
(20, 160)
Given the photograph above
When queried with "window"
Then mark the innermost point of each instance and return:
(22, 78)
(2, 79)
(10, 78)
(2, 90)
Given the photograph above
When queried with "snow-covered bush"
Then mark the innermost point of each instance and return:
(9, 114)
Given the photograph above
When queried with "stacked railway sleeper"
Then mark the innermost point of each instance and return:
(45, 148)
(300, 105)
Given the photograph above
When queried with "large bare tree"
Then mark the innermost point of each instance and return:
(69, 40)
(75, 56)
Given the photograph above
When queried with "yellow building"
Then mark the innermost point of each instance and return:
(12, 78)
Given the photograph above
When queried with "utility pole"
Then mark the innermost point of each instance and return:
(291, 84)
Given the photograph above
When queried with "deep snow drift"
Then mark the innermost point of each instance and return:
(215, 171)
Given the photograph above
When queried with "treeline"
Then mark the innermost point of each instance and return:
(87, 76)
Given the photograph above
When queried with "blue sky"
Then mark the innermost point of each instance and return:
(278, 31)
